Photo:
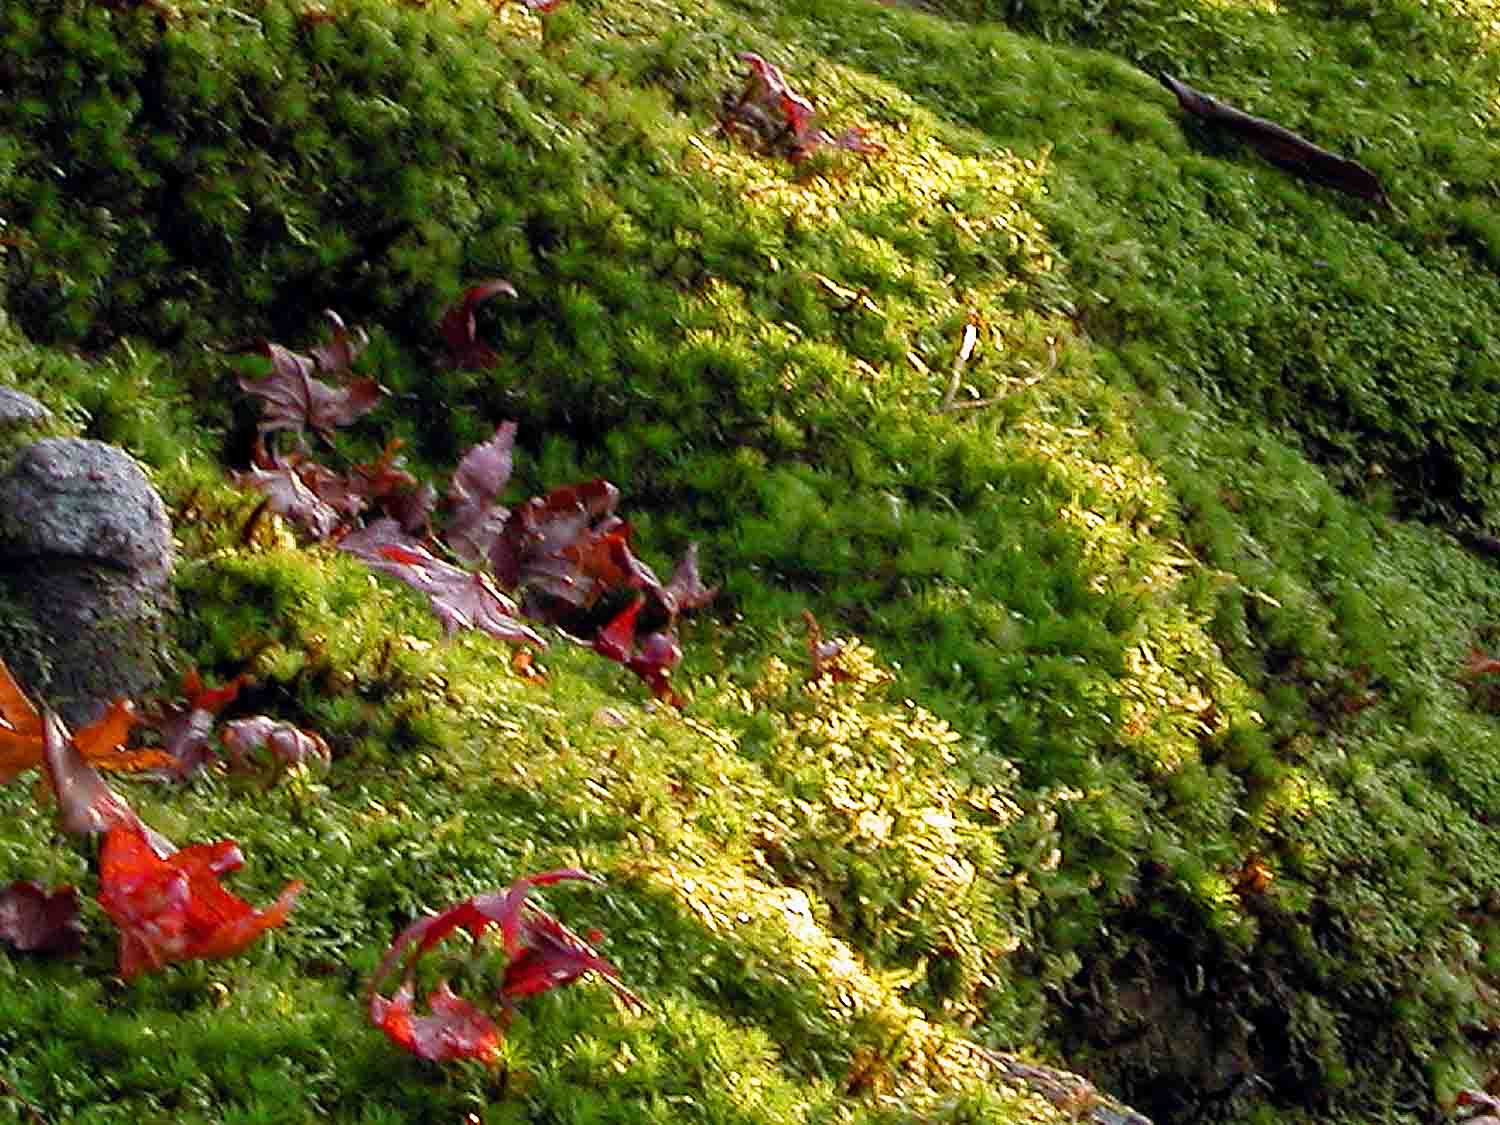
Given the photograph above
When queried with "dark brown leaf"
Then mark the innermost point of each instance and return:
(461, 333)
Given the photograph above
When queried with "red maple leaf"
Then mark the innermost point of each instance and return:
(544, 954)
(455, 1029)
(173, 908)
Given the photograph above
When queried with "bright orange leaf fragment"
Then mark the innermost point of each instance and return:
(173, 908)
(102, 743)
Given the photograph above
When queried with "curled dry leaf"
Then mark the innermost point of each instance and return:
(460, 331)
(36, 920)
(286, 744)
(85, 804)
(173, 908)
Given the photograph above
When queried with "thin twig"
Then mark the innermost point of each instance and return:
(965, 350)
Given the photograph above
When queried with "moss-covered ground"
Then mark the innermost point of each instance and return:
(1157, 759)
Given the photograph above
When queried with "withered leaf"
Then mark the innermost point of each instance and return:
(475, 517)
(461, 332)
(36, 920)
(461, 599)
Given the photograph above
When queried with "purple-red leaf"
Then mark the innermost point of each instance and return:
(288, 495)
(686, 590)
(461, 599)
(543, 543)
(475, 517)
(36, 920)
(286, 744)
(339, 355)
(551, 955)
(652, 660)
(461, 333)
(85, 804)
(295, 399)
(186, 730)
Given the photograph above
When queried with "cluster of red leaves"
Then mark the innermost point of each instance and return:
(566, 556)
(168, 904)
(779, 120)
(542, 953)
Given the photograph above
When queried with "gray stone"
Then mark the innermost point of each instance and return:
(85, 571)
(18, 408)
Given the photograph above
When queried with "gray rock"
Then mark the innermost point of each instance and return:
(85, 570)
(18, 408)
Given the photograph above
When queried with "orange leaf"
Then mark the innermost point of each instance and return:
(20, 728)
(101, 742)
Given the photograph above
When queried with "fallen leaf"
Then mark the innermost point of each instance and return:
(85, 804)
(475, 516)
(36, 920)
(544, 954)
(173, 908)
(455, 1029)
(462, 599)
(461, 332)
(287, 745)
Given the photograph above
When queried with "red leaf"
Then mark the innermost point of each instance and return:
(455, 1030)
(473, 495)
(36, 920)
(461, 599)
(461, 333)
(173, 908)
(616, 641)
(551, 955)
(544, 955)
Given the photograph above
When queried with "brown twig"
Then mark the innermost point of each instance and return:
(1279, 145)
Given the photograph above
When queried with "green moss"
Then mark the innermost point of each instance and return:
(1183, 714)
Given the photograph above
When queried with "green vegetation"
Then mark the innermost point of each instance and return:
(1156, 759)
